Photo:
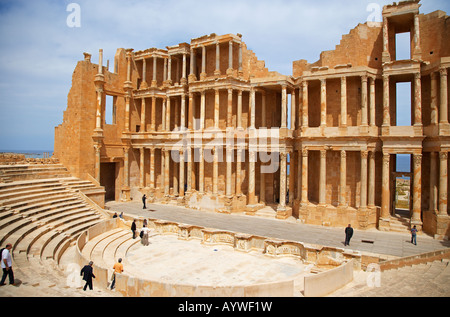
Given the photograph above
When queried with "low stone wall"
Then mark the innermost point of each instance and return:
(415, 259)
(17, 158)
(329, 281)
(319, 256)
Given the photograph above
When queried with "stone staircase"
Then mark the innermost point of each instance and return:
(41, 215)
(430, 279)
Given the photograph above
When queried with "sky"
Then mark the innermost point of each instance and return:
(41, 42)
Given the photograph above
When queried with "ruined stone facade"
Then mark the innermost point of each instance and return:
(205, 125)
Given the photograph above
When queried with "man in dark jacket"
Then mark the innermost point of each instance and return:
(133, 228)
(144, 198)
(88, 274)
(348, 234)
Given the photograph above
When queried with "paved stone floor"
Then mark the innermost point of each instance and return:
(386, 243)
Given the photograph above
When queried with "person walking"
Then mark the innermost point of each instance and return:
(118, 268)
(88, 274)
(133, 228)
(414, 235)
(7, 265)
(348, 234)
(144, 198)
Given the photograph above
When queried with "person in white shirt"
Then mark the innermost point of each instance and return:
(6, 261)
(144, 238)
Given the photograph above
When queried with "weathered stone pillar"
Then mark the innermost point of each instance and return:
(433, 182)
(152, 167)
(304, 201)
(166, 172)
(372, 102)
(434, 99)
(201, 172)
(363, 200)
(238, 171)
(203, 73)
(217, 71)
(343, 180)
(417, 100)
(305, 104)
(282, 202)
(263, 109)
(252, 108)
(183, 80)
(386, 114)
(142, 168)
(143, 110)
(216, 171)
(230, 58)
(165, 70)
(283, 106)
(239, 109)
(443, 111)
(364, 100)
(417, 190)
(371, 194)
(291, 177)
(230, 108)
(183, 112)
(443, 156)
(293, 112)
(216, 108)
(202, 109)
(97, 148)
(163, 115)
(323, 102)
(385, 193)
(240, 59)
(181, 178)
(417, 50)
(153, 118)
(191, 111)
(189, 169)
(126, 175)
(251, 178)
(154, 82)
(343, 101)
(229, 153)
(168, 114)
(169, 71)
(144, 84)
(323, 177)
(298, 181)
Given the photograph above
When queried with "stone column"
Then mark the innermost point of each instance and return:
(202, 109)
(323, 102)
(127, 113)
(165, 70)
(163, 115)
(263, 109)
(283, 107)
(162, 169)
(97, 148)
(343, 180)
(143, 109)
(385, 193)
(304, 201)
(215, 171)
(282, 203)
(229, 153)
(239, 109)
(417, 189)
(323, 177)
(417, 50)
(433, 182)
(443, 156)
(372, 102)
(238, 171)
(251, 178)
(305, 104)
(230, 108)
(371, 194)
(169, 70)
(181, 178)
(443, 111)
(252, 108)
(417, 100)
(291, 177)
(203, 73)
(386, 56)
(230, 58)
(189, 169)
(183, 112)
(216, 108)
(168, 114)
(166, 172)
(152, 167)
(191, 111)
(126, 168)
(201, 173)
(298, 181)
(240, 59)
(364, 100)
(262, 185)
(153, 123)
(434, 99)
(343, 101)
(293, 111)
(144, 84)
(191, 70)
(183, 80)
(217, 71)
(386, 114)
(141, 168)
(363, 200)
(154, 82)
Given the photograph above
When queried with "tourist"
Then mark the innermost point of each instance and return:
(121, 215)
(348, 234)
(88, 274)
(133, 228)
(144, 235)
(115, 215)
(118, 268)
(413, 235)
(144, 198)
(7, 265)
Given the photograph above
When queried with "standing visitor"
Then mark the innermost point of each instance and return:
(133, 228)
(144, 198)
(348, 234)
(144, 235)
(414, 235)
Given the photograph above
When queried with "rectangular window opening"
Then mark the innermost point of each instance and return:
(404, 104)
(403, 46)
(110, 109)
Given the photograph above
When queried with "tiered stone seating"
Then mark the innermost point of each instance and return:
(421, 280)
(42, 217)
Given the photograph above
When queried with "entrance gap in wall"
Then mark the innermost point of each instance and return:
(403, 189)
(108, 180)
